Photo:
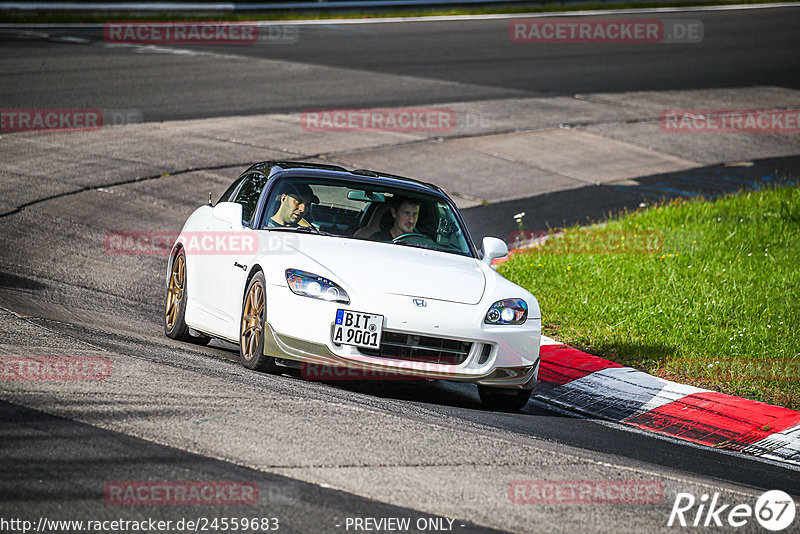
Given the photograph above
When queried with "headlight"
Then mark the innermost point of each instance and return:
(315, 286)
(508, 311)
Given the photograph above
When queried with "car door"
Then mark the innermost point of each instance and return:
(229, 258)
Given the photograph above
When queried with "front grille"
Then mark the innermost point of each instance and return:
(418, 348)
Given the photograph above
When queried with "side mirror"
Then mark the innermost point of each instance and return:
(493, 248)
(229, 212)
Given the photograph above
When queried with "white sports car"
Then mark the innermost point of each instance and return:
(313, 265)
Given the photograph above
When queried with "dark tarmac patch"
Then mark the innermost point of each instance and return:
(599, 202)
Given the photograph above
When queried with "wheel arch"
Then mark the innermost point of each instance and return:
(172, 255)
(254, 269)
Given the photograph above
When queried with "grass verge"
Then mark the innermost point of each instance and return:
(700, 292)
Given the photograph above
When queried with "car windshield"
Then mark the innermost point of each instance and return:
(365, 211)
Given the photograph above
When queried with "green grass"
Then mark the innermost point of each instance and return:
(64, 16)
(701, 292)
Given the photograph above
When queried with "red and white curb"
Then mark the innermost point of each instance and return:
(601, 388)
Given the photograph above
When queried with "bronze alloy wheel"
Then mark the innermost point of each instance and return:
(175, 307)
(251, 331)
(252, 319)
(175, 291)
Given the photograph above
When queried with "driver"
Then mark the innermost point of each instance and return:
(405, 212)
(295, 201)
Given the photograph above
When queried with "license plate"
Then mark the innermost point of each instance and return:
(358, 328)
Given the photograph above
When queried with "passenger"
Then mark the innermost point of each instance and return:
(405, 212)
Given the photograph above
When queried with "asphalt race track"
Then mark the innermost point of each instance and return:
(438, 62)
(320, 453)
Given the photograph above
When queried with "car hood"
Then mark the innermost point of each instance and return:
(368, 266)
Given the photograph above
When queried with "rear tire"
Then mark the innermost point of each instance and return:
(504, 398)
(252, 328)
(174, 317)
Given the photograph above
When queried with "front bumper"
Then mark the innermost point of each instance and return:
(300, 328)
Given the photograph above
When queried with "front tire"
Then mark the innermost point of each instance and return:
(504, 398)
(252, 330)
(174, 317)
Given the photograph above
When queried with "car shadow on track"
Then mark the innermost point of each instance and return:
(413, 389)
(431, 392)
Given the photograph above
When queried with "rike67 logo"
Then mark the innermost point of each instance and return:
(774, 510)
